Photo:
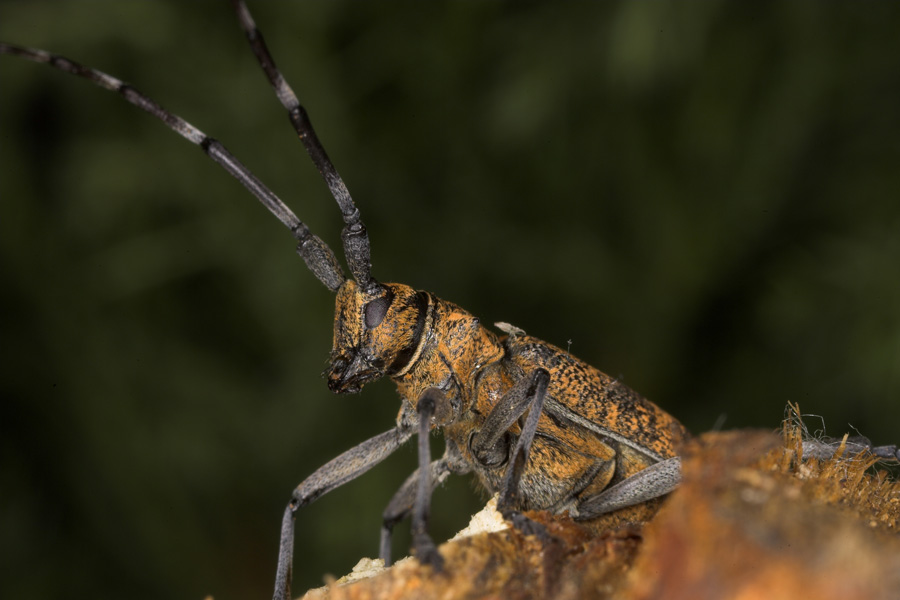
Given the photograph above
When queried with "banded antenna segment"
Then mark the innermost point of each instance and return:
(316, 254)
(355, 238)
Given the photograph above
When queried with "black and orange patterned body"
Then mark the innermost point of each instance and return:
(593, 431)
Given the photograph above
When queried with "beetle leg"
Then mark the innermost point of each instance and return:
(487, 445)
(401, 505)
(346, 467)
(891, 453)
(826, 448)
(532, 399)
(423, 545)
(538, 392)
(656, 480)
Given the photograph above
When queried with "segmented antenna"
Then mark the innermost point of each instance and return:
(354, 235)
(318, 256)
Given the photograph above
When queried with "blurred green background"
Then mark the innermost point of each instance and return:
(701, 198)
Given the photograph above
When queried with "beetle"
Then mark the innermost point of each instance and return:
(589, 444)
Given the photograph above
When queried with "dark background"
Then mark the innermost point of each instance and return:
(701, 198)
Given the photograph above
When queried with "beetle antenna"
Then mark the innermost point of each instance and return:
(354, 235)
(318, 256)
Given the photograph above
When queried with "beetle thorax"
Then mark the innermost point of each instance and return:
(454, 348)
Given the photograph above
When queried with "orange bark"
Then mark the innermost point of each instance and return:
(750, 521)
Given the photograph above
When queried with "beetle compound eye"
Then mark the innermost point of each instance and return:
(375, 311)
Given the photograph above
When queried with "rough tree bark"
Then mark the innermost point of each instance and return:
(750, 521)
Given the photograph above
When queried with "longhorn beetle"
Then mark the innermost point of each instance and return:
(513, 409)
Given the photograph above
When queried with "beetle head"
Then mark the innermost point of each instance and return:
(376, 333)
